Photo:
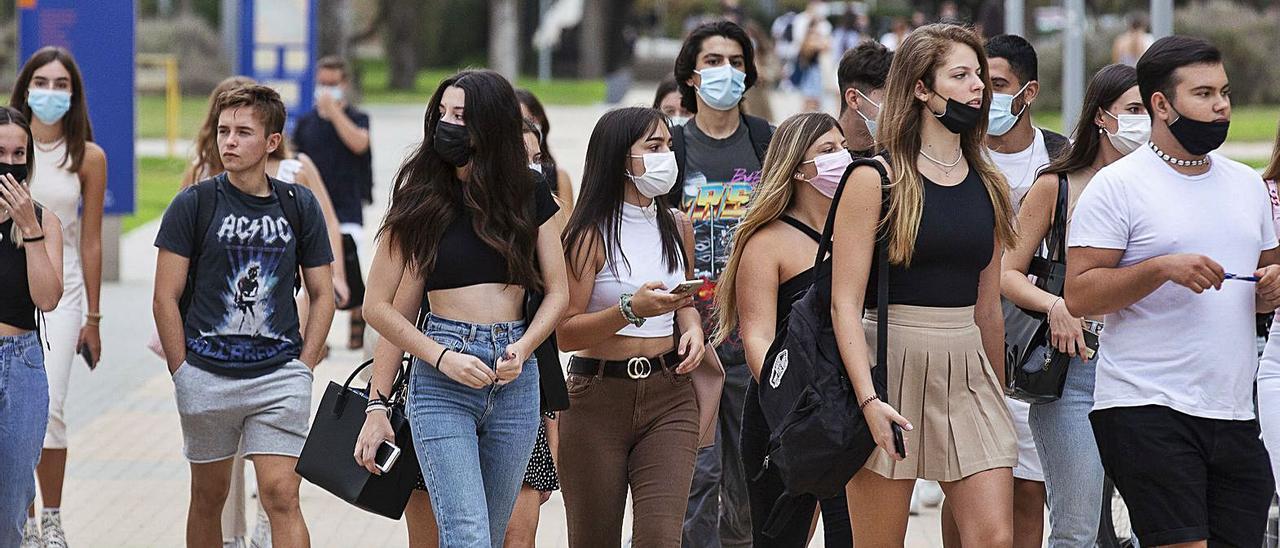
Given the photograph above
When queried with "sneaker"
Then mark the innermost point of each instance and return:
(261, 531)
(237, 542)
(930, 493)
(51, 529)
(31, 535)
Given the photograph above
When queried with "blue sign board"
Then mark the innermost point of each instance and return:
(277, 47)
(101, 36)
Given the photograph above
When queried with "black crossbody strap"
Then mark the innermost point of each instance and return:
(1058, 231)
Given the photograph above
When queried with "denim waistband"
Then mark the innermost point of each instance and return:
(471, 332)
(14, 344)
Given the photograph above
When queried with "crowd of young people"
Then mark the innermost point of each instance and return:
(667, 276)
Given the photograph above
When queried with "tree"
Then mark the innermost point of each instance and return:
(504, 37)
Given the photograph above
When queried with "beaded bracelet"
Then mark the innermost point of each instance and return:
(869, 399)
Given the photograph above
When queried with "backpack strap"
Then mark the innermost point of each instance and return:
(759, 132)
(206, 207)
(287, 193)
(678, 145)
(806, 229)
(1054, 143)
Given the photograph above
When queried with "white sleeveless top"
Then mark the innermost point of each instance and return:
(288, 170)
(641, 241)
(58, 190)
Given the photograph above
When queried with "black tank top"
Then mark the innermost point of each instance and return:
(16, 307)
(954, 244)
(791, 290)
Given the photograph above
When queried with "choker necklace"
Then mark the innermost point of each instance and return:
(1177, 162)
(946, 167)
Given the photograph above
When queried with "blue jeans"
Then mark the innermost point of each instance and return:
(1072, 468)
(473, 444)
(24, 413)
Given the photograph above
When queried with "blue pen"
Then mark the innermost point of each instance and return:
(1230, 276)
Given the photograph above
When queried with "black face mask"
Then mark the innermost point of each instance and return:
(18, 171)
(1199, 138)
(453, 143)
(959, 117)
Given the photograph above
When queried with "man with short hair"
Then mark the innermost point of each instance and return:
(335, 135)
(862, 74)
(230, 251)
(719, 153)
(1165, 242)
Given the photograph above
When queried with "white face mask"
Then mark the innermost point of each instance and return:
(332, 91)
(871, 122)
(660, 171)
(678, 120)
(1132, 131)
(536, 167)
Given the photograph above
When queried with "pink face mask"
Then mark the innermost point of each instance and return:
(831, 168)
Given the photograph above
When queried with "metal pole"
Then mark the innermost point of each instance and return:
(1073, 64)
(1161, 18)
(1014, 16)
(544, 53)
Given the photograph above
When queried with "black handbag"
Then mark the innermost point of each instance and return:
(1035, 372)
(555, 395)
(327, 460)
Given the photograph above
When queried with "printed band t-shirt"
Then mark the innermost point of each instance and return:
(1192, 353)
(719, 177)
(242, 321)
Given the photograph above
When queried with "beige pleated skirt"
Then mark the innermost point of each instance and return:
(941, 380)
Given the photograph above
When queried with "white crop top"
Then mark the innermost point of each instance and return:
(640, 239)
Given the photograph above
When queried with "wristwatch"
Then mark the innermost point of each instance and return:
(624, 303)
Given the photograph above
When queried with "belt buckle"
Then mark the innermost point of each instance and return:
(639, 368)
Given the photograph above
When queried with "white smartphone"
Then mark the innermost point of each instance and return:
(386, 456)
(686, 287)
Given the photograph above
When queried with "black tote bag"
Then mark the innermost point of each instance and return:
(1035, 372)
(327, 460)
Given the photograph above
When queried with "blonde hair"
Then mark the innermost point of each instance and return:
(924, 50)
(770, 198)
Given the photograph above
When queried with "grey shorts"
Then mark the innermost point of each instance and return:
(266, 415)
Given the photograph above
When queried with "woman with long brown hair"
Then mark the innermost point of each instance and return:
(768, 270)
(947, 220)
(69, 179)
(467, 232)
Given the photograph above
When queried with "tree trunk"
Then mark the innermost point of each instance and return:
(590, 40)
(401, 17)
(504, 38)
(332, 16)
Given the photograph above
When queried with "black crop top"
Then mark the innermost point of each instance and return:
(793, 288)
(463, 259)
(16, 306)
(954, 244)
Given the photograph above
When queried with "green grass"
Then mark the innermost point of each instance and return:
(158, 181)
(151, 116)
(556, 92)
(1254, 123)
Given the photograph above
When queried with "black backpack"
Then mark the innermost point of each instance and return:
(758, 131)
(819, 438)
(207, 192)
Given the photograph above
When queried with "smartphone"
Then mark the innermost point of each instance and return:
(87, 355)
(899, 444)
(386, 456)
(686, 287)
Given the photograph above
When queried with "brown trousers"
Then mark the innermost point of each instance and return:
(623, 432)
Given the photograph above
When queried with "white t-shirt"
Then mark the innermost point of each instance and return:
(1020, 168)
(1192, 353)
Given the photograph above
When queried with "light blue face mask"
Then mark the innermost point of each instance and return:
(1002, 118)
(722, 87)
(49, 105)
(871, 122)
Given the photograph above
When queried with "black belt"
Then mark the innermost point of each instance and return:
(632, 368)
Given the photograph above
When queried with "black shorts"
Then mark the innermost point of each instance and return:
(355, 281)
(1187, 478)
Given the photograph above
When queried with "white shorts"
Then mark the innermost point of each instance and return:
(1028, 467)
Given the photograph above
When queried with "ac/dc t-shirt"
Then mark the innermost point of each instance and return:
(719, 177)
(242, 321)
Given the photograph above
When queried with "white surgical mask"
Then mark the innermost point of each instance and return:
(1002, 119)
(660, 171)
(1132, 131)
(871, 122)
(332, 91)
(678, 120)
(535, 166)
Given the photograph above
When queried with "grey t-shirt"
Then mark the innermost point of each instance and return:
(242, 321)
(719, 177)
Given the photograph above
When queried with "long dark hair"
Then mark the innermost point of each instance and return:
(1106, 87)
(531, 102)
(499, 197)
(599, 209)
(76, 129)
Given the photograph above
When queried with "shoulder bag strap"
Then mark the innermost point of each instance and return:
(1058, 230)
(880, 371)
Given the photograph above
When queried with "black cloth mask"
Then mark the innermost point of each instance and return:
(959, 117)
(18, 171)
(1199, 138)
(453, 143)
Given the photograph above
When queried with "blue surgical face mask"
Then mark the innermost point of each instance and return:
(332, 91)
(1002, 118)
(49, 105)
(722, 87)
(678, 120)
(871, 122)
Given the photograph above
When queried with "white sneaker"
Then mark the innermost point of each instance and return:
(261, 531)
(237, 542)
(51, 530)
(31, 535)
(930, 493)
(915, 499)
